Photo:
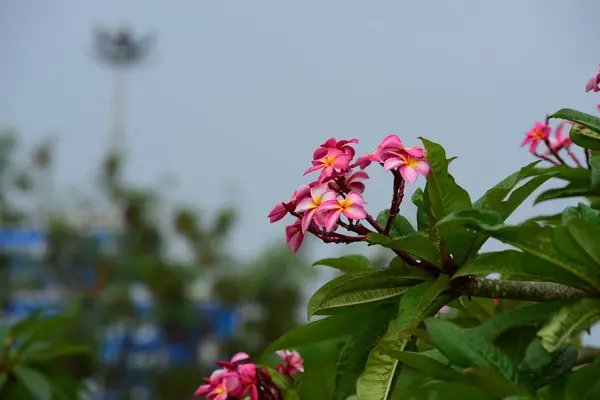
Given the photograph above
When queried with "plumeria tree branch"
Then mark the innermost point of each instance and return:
(520, 290)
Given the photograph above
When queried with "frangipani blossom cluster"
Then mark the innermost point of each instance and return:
(557, 142)
(335, 198)
(236, 380)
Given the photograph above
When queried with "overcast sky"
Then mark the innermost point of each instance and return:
(241, 92)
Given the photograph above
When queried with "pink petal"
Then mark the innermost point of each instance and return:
(247, 371)
(320, 218)
(391, 141)
(277, 213)
(314, 168)
(409, 174)
(302, 192)
(241, 356)
(281, 353)
(305, 205)
(355, 211)
(357, 176)
(422, 167)
(332, 218)
(329, 205)
(358, 187)
(202, 390)
(254, 393)
(326, 173)
(527, 140)
(294, 236)
(533, 146)
(356, 198)
(391, 163)
(342, 161)
(218, 375)
(307, 219)
(317, 191)
(329, 196)
(415, 151)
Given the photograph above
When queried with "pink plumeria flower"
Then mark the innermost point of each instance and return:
(318, 195)
(559, 140)
(355, 183)
(294, 236)
(281, 209)
(592, 83)
(247, 374)
(291, 362)
(221, 385)
(443, 310)
(235, 360)
(409, 165)
(496, 302)
(351, 207)
(334, 159)
(331, 143)
(539, 132)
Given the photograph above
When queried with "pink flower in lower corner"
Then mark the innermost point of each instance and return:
(332, 143)
(592, 83)
(294, 236)
(291, 362)
(248, 380)
(540, 132)
(309, 206)
(234, 362)
(334, 160)
(496, 302)
(221, 385)
(281, 209)
(351, 207)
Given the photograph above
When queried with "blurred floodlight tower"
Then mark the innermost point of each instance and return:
(121, 50)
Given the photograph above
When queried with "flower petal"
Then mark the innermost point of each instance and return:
(277, 213)
(355, 211)
(391, 163)
(316, 192)
(329, 205)
(305, 205)
(409, 174)
(423, 167)
(356, 198)
(332, 218)
(329, 196)
(202, 390)
(307, 219)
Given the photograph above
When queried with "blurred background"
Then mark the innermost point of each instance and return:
(143, 144)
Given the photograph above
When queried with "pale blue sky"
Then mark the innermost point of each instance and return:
(243, 91)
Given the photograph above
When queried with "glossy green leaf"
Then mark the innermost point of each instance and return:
(568, 321)
(54, 350)
(35, 382)
(582, 211)
(467, 349)
(571, 190)
(320, 361)
(533, 239)
(348, 264)
(324, 329)
(445, 197)
(493, 198)
(520, 265)
(565, 172)
(584, 384)
(376, 382)
(545, 366)
(422, 301)
(364, 287)
(531, 314)
(426, 366)
(418, 200)
(595, 171)
(416, 244)
(400, 226)
(355, 352)
(357, 298)
(587, 138)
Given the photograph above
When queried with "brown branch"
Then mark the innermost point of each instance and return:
(587, 355)
(520, 290)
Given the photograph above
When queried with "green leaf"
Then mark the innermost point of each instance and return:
(364, 287)
(533, 239)
(41, 351)
(3, 379)
(570, 319)
(421, 301)
(519, 265)
(546, 367)
(320, 361)
(595, 171)
(493, 198)
(565, 172)
(536, 313)
(400, 226)
(426, 366)
(444, 194)
(418, 200)
(578, 241)
(35, 382)
(324, 329)
(445, 197)
(348, 264)
(416, 244)
(375, 383)
(582, 211)
(467, 350)
(355, 352)
(571, 190)
(586, 138)
(584, 384)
